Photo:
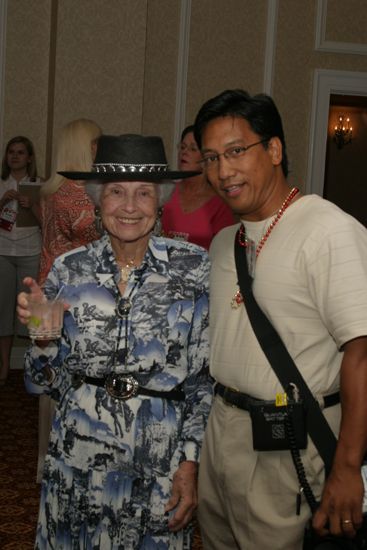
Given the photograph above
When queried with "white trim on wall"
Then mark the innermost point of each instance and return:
(327, 82)
(270, 45)
(183, 56)
(3, 15)
(182, 69)
(323, 45)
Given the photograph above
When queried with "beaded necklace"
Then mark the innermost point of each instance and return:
(243, 241)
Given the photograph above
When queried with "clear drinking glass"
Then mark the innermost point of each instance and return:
(46, 318)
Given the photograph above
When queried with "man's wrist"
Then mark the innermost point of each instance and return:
(347, 458)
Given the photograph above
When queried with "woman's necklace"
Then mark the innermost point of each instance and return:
(243, 241)
(125, 269)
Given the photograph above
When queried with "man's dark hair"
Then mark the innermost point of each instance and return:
(259, 110)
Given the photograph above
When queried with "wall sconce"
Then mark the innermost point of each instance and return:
(343, 132)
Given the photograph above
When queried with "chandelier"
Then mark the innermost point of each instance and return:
(343, 132)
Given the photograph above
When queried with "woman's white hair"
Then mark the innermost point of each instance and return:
(94, 189)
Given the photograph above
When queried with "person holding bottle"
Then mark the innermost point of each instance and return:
(20, 246)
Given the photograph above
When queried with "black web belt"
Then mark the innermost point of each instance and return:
(244, 401)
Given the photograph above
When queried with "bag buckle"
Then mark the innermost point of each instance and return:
(121, 386)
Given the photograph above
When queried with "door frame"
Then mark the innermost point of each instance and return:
(327, 82)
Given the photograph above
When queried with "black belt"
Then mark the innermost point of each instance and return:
(244, 401)
(124, 386)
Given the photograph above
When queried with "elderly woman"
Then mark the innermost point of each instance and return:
(130, 372)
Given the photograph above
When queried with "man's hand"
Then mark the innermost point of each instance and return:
(184, 496)
(22, 301)
(340, 511)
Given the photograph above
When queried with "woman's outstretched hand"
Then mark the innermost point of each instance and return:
(22, 301)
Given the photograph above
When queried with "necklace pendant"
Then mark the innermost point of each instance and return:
(125, 271)
(237, 300)
(123, 307)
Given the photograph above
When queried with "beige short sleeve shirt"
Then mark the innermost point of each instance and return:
(311, 282)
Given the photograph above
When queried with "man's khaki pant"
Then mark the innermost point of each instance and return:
(247, 499)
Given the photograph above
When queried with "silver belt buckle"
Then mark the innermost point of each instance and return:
(121, 386)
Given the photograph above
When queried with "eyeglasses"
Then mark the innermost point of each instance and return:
(210, 160)
(184, 147)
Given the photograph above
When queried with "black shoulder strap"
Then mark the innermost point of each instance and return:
(283, 364)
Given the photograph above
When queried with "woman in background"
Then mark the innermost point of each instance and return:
(19, 246)
(195, 213)
(67, 217)
(67, 213)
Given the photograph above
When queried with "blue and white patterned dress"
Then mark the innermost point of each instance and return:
(110, 463)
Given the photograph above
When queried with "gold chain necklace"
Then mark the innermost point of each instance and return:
(242, 239)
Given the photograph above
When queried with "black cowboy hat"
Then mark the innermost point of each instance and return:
(130, 157)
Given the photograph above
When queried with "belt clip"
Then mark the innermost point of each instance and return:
(293, 392)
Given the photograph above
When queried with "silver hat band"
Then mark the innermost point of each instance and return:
(111, 168)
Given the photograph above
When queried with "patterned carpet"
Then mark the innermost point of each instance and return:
(18, 461)
(19, 493)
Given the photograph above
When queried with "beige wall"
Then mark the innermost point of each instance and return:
(161, 69)
(116, 61)
(346, 21)
(100, 62)
(26, 73)
(226, 49)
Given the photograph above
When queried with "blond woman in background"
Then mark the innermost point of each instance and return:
(67, 220)
(67, 212)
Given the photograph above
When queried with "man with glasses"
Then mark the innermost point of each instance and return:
(307, 259)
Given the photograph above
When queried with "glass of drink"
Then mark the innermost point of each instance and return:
(46, 320)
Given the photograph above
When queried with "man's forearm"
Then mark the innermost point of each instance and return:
(352, 442)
